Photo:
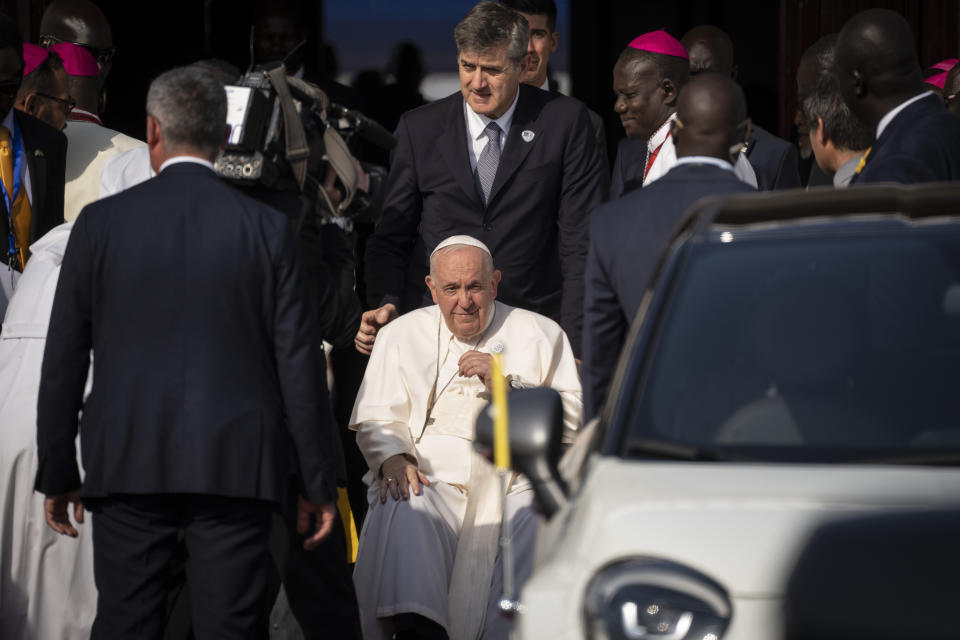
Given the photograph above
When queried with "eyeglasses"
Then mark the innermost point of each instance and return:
(103, 56)
(65, 105)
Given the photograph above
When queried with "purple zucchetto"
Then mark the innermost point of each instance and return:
(660, 42)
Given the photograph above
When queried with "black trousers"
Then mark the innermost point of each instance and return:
(135, 540)
(348, 368)
(318, 583)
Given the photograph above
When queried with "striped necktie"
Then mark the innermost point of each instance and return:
(489, 160)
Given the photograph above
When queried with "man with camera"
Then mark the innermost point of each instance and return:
(200, 387)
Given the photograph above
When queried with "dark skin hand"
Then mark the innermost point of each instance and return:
(56, 512)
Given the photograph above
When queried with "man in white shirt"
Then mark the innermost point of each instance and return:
(429, 542)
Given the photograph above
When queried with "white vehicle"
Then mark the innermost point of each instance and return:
(796, 362)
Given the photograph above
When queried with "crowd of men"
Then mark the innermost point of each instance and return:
(176, 322)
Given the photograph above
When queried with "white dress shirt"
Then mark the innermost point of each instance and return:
(717, 162)
(476, 124)
(191, 159)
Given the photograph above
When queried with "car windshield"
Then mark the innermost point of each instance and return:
(809, 348)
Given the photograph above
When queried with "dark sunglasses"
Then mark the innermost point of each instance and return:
(102, 56)
(66, 105)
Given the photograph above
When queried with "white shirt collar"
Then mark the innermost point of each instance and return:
(717, 162)
(887, 119)
(845, 173)
(85, 116)
(8, 120)
(476, 123)
(192, 159)
(546, 84)
(660, 135)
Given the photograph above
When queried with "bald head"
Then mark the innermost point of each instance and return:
(710, 49)
(711, 109)
(78, 21)
(876, 63)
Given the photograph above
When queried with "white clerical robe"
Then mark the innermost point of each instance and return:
(667, 157)
(89, 145)
(124, 170)
(434, 554)
(46, 582)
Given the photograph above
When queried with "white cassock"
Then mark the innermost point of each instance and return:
(89, 146)
(125, 170)
(434, 555)
(46, 582)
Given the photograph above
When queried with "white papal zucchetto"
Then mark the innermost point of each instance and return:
(470, 241)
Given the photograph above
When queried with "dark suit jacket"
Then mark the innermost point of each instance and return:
(627, 240)
(535, 223)
(207, 362)
(775, 161)
(921, 144)
(45, 152)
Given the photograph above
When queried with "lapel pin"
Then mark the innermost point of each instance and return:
(527, 135)
(497, 347)
(38, 153)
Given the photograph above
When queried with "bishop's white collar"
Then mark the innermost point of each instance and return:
(660, 135)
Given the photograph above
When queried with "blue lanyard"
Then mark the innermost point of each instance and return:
(17, 158)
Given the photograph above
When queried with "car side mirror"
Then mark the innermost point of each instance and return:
(536, 431)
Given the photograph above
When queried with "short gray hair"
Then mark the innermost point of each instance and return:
(190, 105)
(489, 25)
(824, 101)
(487, 258)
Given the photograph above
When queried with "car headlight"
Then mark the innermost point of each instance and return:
(648, 598)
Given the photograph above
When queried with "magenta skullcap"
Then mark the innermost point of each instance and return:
(660, 42)
(945, 65)
(33, 57)
(937, 80)
(77, 61)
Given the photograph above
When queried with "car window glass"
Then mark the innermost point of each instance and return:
(849, 342)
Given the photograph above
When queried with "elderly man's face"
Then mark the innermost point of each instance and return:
(463, 291)
(489, 81)
(640, 99)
